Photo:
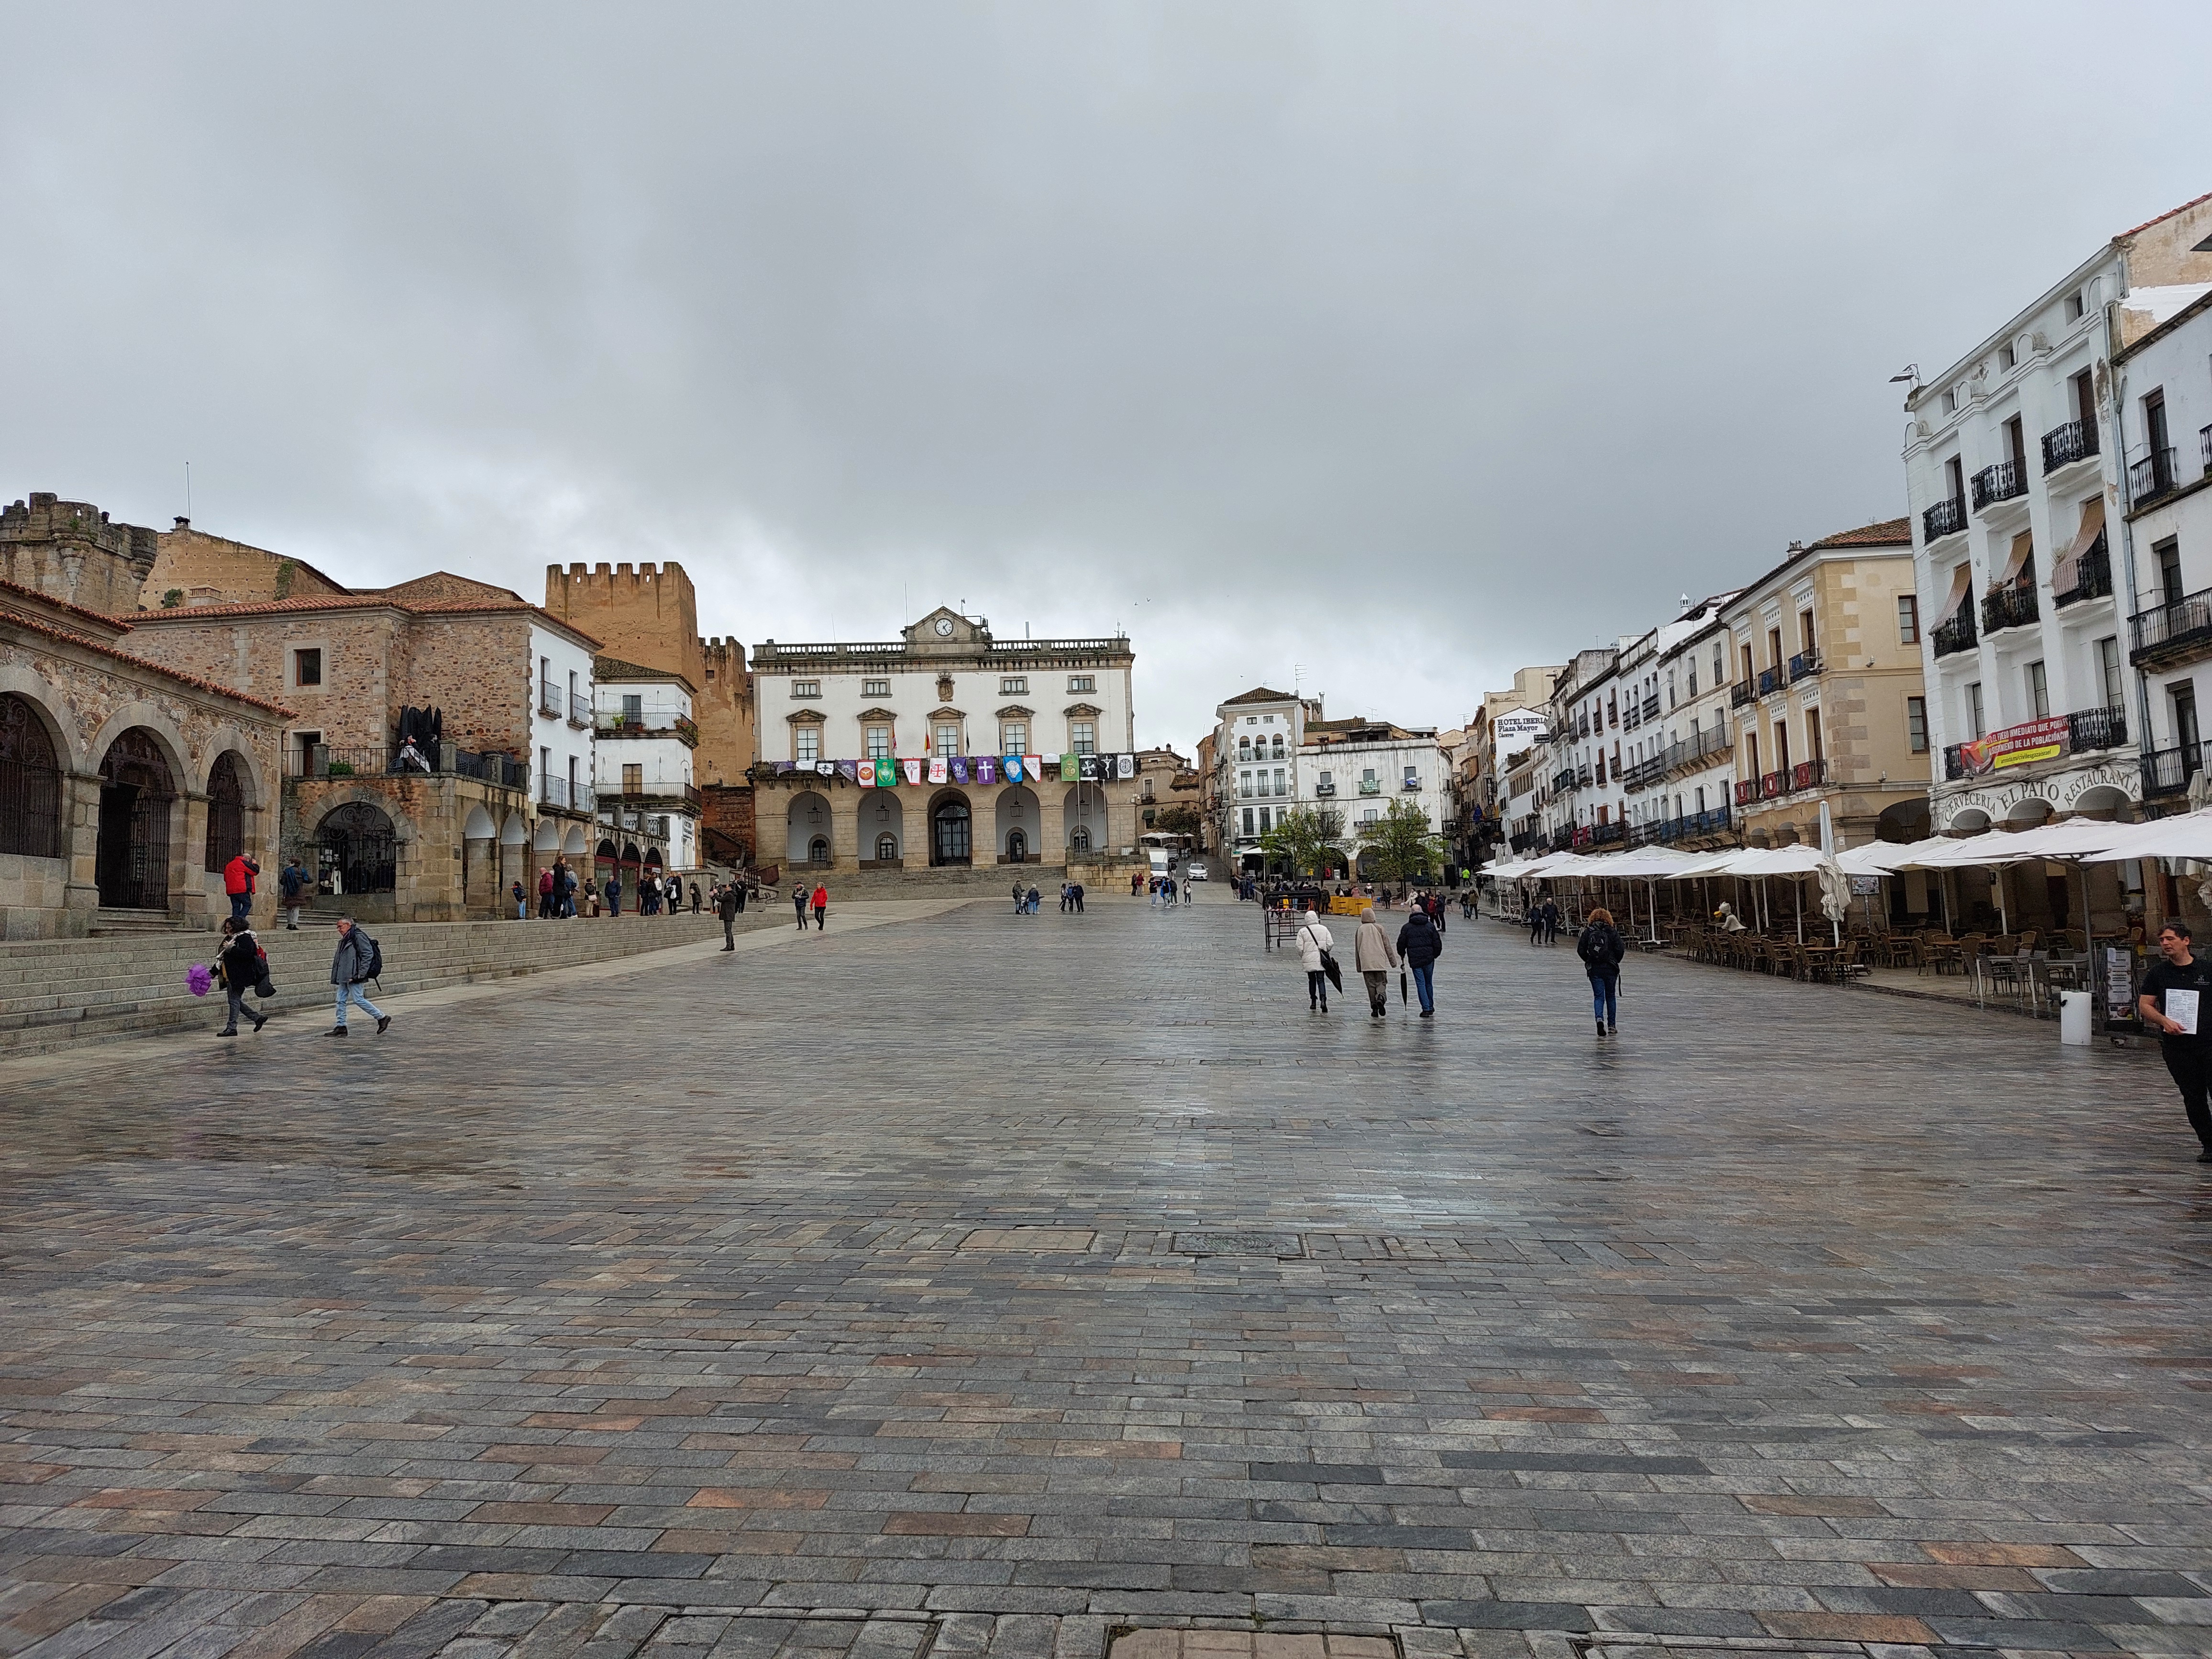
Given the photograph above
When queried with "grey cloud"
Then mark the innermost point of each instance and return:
(1406, 342)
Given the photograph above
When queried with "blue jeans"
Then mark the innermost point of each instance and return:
(1424, 981)
(1605, 997)
(356, 994)
(241, 904)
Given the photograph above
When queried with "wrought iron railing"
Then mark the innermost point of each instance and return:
(1954, 762)
(1809, 775)
(1746, 790)
(1644, 772)
(1999, 481)
(550, 700)
(1773, 784)
(1698, 747)
(2093, 576)
(2151, 476)
(579, 711)
(2167, 771)
(2170, 632)
(2012, 606)
(1651, 707)
(1770, 679)
(1956, 634)
(2097, 729)
(1804, 664)
(1740, 694)
(1944, 518)
(2075, 441)
(1710, 822)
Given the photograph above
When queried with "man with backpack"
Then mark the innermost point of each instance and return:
(357, 960)
(1601, 947)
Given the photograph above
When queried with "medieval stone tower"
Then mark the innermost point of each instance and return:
(68, 551)
(726, 723)
(647, 615)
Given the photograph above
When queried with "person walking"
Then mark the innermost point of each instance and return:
(798, 901)
(291, 887)
(238, 878)
(242, 969)
(1600, 946)
(1374, 956)
(1551, 921)
(1315, 944)
(821, 905)
(353, 965)
(2172, 1003)
(694, 898)
(1534, 918)
(545, 893)
(729, 904)
(1419, 943)
(614, 894)
(521, 900)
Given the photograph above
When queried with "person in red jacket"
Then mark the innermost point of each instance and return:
(820, 905)
(238, 881)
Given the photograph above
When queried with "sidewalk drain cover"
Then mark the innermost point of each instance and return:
(1275, 1244)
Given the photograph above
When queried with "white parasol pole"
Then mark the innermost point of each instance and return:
(1828, 850)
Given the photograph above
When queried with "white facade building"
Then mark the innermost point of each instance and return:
(1256, 751)
(2162, 386)
(1358, 767)
(1585, 795)
(1697, 771)
(648, 787)
(2014, 492)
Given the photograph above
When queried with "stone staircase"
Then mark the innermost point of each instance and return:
(56, 994)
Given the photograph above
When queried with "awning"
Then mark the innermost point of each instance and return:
(2023, 549)
(2188, 836)
(1712, 864)
(1881, 858)
(2065, 575)
(1962, 584)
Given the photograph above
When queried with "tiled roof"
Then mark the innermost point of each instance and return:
(14, 619)
(1260, 693)
(411, 606)
(44, 598)
(1890, 532)
(2164, 216)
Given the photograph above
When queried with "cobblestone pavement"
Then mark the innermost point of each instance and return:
(981, 1286)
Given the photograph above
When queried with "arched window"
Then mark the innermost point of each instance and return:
(1080, 841)
(1245, 749)
(818, 852)
(886, 848)
(1279, 745)
(355, 850)
(136, 790)
(225, 826)
(30, 784)
(1017, 847)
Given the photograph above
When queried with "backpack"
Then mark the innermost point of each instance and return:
(374, 968)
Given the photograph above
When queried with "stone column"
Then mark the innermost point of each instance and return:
(80, 847)
(844, 823)
(189, 898)
(1052, 831)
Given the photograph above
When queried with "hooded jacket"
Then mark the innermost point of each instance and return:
(1313, 939)
(1372, 949)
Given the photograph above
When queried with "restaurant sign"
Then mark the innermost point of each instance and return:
(2018, 745)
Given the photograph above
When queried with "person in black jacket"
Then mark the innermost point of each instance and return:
(1420, 946)
(241, 972)
(1601, 948)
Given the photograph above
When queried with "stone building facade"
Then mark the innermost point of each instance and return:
(191, 567)
(441, 832)
(125, 787)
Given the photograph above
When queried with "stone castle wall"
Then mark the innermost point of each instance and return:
(647, 615)
(69, 550)
(728, 742)
(194, 568)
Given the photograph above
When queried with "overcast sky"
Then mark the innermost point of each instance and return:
(1390, 346)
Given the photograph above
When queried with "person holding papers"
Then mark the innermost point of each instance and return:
(2177, 1003)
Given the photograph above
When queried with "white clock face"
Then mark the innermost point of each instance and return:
(944, 626)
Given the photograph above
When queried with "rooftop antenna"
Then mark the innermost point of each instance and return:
(188, 492)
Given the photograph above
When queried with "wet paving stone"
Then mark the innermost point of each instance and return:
(1028, 1287)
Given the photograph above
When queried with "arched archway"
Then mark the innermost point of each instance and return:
(1085, 813)
(807, 818)
(138, 799)
(30, 783)
(951, 829)
(226, 811)
(1904, 821)
(883, 827)
(355, 850)
(2103, 802)
(1020, 819)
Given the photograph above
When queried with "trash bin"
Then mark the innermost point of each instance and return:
(2074, 1008)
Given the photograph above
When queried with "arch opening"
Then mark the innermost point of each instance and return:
(225, 812)
(30, 783)
(137, 793)
(356, 850)
(950, 829)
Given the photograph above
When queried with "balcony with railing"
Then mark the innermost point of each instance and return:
(1582, 777)
(1771, 679)
(1954, 762)
(1746, 790)
(2063, 446)
(681, 728)
(1651, 707)
(438, 760)
(1692, 824)
(2151, 477)
(1809, 775)
(2000, 482)
(2168, 634)
(1324, 789)
(1698, 748)
(551, 702)
(1944, 518)
(1740, 694)
(579, 711)
(2204, 449)
(2097, 729)
(2093, 576)
(2167, 771)
(1370, 785)
(2011, 605)
(652, 796)
(1804, 664)
(1772, 785)
(1563, 780)
(1642, 774)
(1956, 634)
(564, 796)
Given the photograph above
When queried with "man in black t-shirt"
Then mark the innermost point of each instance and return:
(2188, 1052)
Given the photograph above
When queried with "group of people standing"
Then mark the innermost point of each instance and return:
(561, 896)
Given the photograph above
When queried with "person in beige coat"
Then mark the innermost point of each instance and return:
(1374, 955)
